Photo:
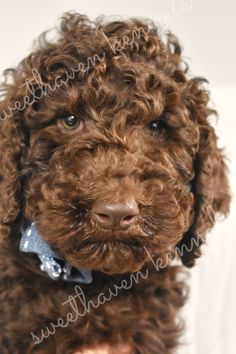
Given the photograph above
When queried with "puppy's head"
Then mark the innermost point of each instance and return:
(106, 145)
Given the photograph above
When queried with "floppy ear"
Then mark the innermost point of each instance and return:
(210, 185)
(11, 147)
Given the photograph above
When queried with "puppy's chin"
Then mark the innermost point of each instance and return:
(109, 257)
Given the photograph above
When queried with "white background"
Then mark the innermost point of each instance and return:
(207, 30)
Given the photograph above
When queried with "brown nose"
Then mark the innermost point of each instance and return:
(118, 215)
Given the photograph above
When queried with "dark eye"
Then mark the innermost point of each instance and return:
(157, 126)
(71, 122)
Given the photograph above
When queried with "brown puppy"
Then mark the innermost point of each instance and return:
(106, 146)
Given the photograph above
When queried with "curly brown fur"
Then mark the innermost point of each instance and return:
(144, 133)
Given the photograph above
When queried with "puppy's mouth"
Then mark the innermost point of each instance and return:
(134, 244)
(111, 257)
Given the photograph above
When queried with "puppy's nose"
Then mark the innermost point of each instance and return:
(119, 215)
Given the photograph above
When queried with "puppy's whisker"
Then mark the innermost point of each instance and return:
(148, 230)
(73, 206)
(72, 226)
(67, 212)
(79, 226)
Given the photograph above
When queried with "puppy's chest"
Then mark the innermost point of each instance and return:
(82, 301)
(51, 309)
(47, 301)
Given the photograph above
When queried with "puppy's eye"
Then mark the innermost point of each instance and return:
(157, 126)
(71, 122)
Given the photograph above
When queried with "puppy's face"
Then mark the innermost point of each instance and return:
(111, 167)
(118, 161)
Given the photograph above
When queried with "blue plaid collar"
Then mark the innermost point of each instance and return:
(51, 263)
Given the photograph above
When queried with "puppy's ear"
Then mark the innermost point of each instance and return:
(210, 185)
(12, 142)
